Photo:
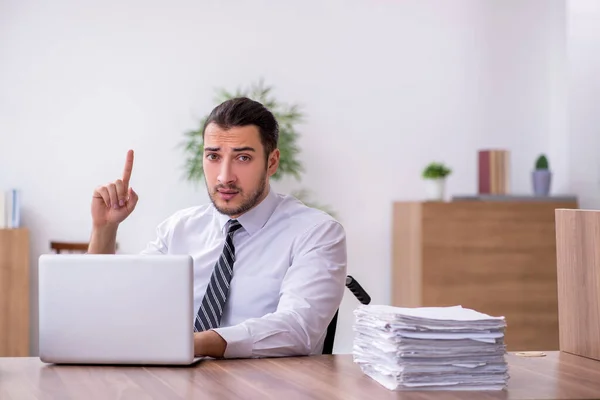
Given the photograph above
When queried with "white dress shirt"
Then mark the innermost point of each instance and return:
(288, 277)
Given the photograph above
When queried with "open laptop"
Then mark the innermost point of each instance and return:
(116, 309)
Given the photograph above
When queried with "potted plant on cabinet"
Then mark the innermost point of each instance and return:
(541, 177)
(435, 175)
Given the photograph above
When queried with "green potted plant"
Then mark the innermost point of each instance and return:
(287, 115)
(541, 176)
(435, 175)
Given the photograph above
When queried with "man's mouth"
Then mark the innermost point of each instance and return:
(227, 194)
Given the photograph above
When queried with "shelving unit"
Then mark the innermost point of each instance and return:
(14, 292)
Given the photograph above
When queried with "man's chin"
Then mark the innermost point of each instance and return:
(226, 207)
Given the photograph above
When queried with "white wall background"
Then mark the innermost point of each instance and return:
(584, 100)
(387, 87)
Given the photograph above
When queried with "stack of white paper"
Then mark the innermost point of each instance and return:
(430, 348)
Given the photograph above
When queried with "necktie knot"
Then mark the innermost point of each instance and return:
(234, 225)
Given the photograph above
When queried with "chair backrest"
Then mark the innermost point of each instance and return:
(361, 295)
(66, 247)
(71, 247)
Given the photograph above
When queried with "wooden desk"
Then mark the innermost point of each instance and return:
(558, 375)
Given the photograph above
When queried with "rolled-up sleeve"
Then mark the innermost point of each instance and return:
(311, 293)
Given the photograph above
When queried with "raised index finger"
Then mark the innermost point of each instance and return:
(128, 168)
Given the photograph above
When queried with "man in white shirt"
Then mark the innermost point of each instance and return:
(269, 272)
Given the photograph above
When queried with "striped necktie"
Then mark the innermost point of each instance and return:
(210, 311)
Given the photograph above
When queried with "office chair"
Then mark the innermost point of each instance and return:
(71, 247)
(361, 295)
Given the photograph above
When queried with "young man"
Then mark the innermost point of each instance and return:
(269, 272)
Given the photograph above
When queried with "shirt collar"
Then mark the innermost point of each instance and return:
(254, 219)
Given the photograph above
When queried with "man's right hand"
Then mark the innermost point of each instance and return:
(114, 202)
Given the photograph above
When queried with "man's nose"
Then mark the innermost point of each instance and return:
(226, 175)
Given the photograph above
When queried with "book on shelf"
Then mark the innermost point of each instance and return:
(10, 209)
(493, 171)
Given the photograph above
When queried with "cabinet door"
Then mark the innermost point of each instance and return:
(14, 292)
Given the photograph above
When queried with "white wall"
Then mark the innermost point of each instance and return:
(387, 87)
(527, 86)
(584, 100)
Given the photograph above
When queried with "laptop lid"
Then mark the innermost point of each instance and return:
(116, 309)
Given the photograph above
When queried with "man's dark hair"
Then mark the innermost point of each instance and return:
(242, 111)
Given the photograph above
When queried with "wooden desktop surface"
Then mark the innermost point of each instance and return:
(556, 376)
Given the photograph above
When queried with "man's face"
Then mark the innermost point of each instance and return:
(235, 170)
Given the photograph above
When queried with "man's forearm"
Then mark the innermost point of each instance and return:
(209, 343)
(103, 240)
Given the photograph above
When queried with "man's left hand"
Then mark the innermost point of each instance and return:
(209, 343)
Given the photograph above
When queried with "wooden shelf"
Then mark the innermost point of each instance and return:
(498, 258)
(14, 292)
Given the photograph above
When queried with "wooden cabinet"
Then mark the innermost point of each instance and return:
(14, 292)
(497, 257)
(578, 258)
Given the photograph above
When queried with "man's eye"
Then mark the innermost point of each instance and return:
(211, 156)
(244, 158)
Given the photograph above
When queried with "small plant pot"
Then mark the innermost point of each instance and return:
(541, 180)
(435, 189)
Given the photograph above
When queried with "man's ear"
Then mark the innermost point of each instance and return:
(273, 162)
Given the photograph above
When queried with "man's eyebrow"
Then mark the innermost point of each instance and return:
(236, 149)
